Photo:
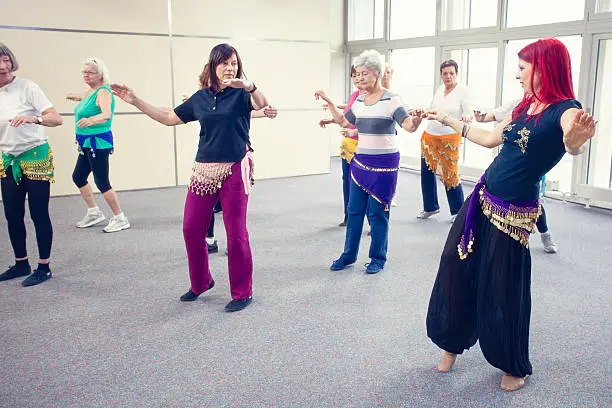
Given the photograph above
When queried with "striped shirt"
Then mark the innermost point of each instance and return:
(376, 123)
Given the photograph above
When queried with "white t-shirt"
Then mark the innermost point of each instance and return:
(506, 109)
(21, 97)
(456, 104)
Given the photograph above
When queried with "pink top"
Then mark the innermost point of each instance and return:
(350, 102)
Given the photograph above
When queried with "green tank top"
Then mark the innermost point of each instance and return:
(88, 108)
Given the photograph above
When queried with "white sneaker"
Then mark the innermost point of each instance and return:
(92, 218)
(549, 245)
(423, 215)
(117, 223)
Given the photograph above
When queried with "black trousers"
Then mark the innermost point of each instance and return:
(541, 224)
(486, 297)
(86, 163)
(13, 200)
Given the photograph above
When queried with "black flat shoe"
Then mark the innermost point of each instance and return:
(36, 277)
(213, 248)
(15, 271)
(190, 296)
(238, 304)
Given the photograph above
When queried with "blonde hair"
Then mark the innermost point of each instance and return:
(98, 65)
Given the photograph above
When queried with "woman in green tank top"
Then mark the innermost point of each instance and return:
(93, 118)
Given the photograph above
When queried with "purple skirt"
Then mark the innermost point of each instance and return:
(376, 174)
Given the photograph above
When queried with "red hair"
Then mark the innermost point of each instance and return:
(551, 60)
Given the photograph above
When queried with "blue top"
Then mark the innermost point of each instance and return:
(532, 146)
(225, 120)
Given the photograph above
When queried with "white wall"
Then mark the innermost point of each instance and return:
(288, 48)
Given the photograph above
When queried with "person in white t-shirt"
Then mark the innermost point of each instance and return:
(440, 144)
(499, 114)
(26, 166)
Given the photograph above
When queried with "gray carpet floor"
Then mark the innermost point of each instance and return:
(108, 329)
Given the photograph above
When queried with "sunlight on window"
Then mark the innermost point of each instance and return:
(413, 80)
(412, 18)
(463, 14)
(529, 12)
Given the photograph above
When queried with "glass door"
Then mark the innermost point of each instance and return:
(599, 173)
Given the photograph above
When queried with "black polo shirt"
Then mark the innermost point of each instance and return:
(225, 120)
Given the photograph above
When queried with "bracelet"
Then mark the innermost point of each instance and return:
(465, 130)
(254, 88)
(443, 120)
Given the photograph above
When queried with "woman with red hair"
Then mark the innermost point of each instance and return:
(483, 287)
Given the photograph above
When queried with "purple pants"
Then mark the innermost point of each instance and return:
(197, 215)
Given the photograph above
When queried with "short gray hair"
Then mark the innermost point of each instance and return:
(4, 50)
(371, 59)
(100, 68)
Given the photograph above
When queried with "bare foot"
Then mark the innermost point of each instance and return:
(512, 383)
(447, 362)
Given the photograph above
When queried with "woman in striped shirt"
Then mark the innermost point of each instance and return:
(376, 162)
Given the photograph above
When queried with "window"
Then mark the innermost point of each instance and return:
(561, 175)
(529, 12)
(600, 156)
(462, 14)
(603, 6)
(412, 18)
(475, 72)
(366, 19)
(413, 79)
(511, 89)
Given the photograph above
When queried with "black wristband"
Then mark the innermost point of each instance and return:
(254, 89)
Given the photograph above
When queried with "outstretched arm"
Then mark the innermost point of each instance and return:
(482, 137)
(333, 109)
(165, 116)
(578, 127)
(76, 96)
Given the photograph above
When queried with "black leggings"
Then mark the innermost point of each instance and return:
(87, 164)
(541, 224)
(13, 199)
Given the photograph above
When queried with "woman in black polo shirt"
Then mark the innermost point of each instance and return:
(222, 170)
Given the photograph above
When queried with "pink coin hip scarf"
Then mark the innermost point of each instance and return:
(207, 178)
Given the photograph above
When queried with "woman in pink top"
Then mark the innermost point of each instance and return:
(348, 144)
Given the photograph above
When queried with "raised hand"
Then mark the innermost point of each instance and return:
(435, 114)
(324, 122)
(479, 116)
(270, 112)
(321, 95)
(581, 129)
(466, 118)
(238, 83)
(124, 92)
(349, 132)
(417, 119)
